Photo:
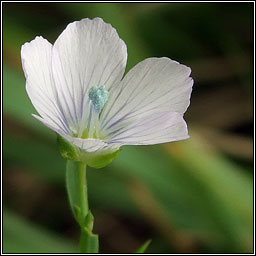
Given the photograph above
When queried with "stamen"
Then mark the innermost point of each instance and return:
(92, 121)
(98, 97)
(73, 131)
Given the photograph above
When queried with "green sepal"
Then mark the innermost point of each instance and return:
(95, 160)
(101, 160)
(67, 150)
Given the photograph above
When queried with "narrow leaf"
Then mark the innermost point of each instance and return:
(72, 185)
(143, 247)
(77, 190)
(21, 236)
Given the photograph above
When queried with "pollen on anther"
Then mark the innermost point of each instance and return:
(98, 96)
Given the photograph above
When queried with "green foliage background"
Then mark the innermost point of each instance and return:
(192, 196)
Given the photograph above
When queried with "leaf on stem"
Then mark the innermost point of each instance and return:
(73, 193)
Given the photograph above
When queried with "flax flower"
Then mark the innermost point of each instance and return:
(77, 87)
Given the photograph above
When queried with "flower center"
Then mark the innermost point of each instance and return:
(98, 97)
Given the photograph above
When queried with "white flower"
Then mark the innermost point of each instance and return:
(77, 87)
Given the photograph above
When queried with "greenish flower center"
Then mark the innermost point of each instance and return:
(98, 96)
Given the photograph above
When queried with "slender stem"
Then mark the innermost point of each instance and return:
(82, 187)
(77, 194)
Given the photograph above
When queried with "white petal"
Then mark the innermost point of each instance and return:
(87, 53)
(36, 62)
(152, 129)
(153, 85)
(92, 145)
(89, 145)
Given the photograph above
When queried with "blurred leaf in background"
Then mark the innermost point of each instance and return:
(193, 196)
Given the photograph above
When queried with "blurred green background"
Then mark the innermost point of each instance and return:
(192, 196)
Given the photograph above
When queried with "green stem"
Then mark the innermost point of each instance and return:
(82, 187)
(77, 194)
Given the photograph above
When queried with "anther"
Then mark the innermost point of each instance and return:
(98, 97)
